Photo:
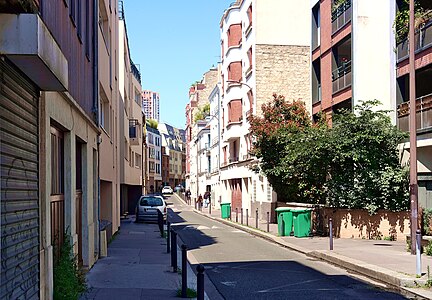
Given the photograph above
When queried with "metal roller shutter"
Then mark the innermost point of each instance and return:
(19, 167)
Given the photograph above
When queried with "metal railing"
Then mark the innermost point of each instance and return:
(342, 77)
(135, 72)
(233, 159)
(423, 113)
(341, 16)
(422, 40)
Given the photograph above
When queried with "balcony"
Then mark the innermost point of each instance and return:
(247, 157)
(232, 131)
(233, 159)
(423, 114)
(342, 77)
(341, 16)
(422, 40)
(133, 132)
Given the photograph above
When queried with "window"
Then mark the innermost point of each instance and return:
(152, 166)
(57, 162)
(249, 55)
(105, 112)
(72, 11)
(79, 21)
(235, 71)
(87, 29)
(234, 35)
(235, 111)
(133, 129)
(138, 161)
(150, 139)
(249, 14)
(103, 24)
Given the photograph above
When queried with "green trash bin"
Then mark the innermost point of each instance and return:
(302, 222)
(285, 221)
(225, 210)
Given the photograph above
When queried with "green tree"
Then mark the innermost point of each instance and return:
(202, 112)
(152, 123)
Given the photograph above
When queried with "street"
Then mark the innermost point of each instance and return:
(242, 266)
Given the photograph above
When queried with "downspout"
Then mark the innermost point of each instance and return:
(96, 107)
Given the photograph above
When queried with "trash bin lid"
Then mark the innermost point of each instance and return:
(225, 203)
(279, 209)
(300, 210)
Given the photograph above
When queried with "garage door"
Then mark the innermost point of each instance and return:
(19, 185)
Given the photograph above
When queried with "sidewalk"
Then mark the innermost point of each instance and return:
(384, 261)
(137, 266)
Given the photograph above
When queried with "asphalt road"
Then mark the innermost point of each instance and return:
(242, 266)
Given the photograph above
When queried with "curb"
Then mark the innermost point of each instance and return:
(394, 279)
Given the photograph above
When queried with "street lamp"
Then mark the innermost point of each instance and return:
(413, 132)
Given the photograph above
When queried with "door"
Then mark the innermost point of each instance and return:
(19, 159)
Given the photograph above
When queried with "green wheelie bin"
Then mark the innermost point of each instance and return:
(285, 221)
(301, 222)
(225, 210)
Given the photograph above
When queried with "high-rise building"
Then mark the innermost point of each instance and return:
(150, 105)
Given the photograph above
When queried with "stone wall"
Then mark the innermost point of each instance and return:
(283, 70)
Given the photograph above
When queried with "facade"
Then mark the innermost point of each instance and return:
(150, 105)
(109, 116)
(48, 141)
(130, 124)
(165, 165)
(174, 148)
(265, 47)
(203, 159)
(195, 164)
(154, 160)
(198, 96)
(345, 69)
(423, 76)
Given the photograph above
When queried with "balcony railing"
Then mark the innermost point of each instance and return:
(247, 156)
(422, 40)
(342, 77)
(135, 72)
(316, 94)
(233, 159)
(341, 16)
(423, 113)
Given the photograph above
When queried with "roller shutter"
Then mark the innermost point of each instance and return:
(19, 141)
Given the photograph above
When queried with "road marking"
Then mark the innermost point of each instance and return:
(215, 227)
(287, 285)
(230, 283)
(202, 227)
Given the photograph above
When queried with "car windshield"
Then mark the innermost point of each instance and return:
(151, 201)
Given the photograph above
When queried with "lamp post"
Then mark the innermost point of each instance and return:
(412, 131)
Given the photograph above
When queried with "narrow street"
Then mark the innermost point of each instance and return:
(242, 266)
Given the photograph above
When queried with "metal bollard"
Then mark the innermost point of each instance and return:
(200, 282)
(247, 217)
(168, 236)
(331, 233)
(241, 215)
(174, 250)
(236, 215)
(210, 205)
(256, 218)
(184, 271)
(418, 252)
(160, 222)
(268, 221)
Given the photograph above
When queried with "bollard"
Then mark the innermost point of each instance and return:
(184, 271)
(200, 282)
(331, 233)
(160, 223)
(256, 218)
(247, 217)
(236, 215)
(168, 236)
(268, 221)
(174, 250)
(210, 207)
(241, 215)
(418, 253)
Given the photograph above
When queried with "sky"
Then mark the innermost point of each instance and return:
(174, 42)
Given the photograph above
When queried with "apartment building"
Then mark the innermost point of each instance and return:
(165, 165)
(423, 77)
(353, 56)
(130, 124)
(108, 36)
(215, 150)
(198, 166)
(198, 97)
(203, 157)
(265, 49)
(150, 105)
(175, 148)
(154, 160)
(48, 140)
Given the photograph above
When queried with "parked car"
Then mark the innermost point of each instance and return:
(148, 207)
(167, 190)
(179, 188)
(161, 195)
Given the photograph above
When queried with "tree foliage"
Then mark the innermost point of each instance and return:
(354, 164)
(202, 112)
(152, 123)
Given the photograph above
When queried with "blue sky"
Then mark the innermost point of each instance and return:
(174, 42)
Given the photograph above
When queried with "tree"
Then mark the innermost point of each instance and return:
(365, 168)
(152, 123)
(354, 164)
(202, 112)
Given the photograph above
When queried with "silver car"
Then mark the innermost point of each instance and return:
(148, 207)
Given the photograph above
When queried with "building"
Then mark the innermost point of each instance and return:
(265, 49)
(345, 69)
(154, 160)
(150, 105)
(197, 166)
(203, 158)
(423, 77)
(174, 147)
(165, 165)
(198, 97)
(130, 124)
(48, 140)
(108, 33)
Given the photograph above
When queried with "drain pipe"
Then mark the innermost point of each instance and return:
(96, 107)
